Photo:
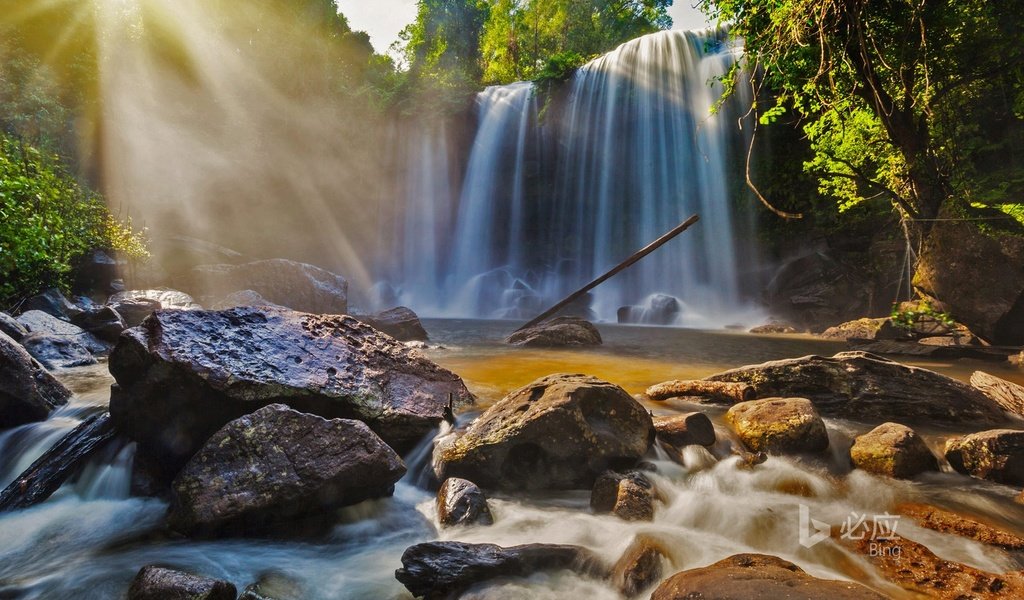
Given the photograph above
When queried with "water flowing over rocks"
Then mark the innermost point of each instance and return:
(440, 570)
(28, 392)
(629, 496)
(559, 432)
(296, 285)
(779, 426)
(278, 464)
(640, 567)
(461, 502)
(997, 455)
(400, 323)
(869, 388)
(757, 576)
(558, 332)
(893, 450)
(946, 521)
(183, 375)
(157, 583)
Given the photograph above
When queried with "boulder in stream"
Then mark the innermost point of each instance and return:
(183, 375)
(629, 496)
(158, 583)
(557, 332)
(28, 393)
(685, 429)
(461, 502)
(277, 465)
(102, 321)
(869, 388)
(559, 432)
(893, 450)
(440, 570)
(779, 426)
(53, 303)
(996, 455)
(640, 567)
(400, 323)
(297, 285)
(57, 351)
(38, 322)
(135, 305)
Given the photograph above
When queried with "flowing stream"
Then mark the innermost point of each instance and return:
(90, 539)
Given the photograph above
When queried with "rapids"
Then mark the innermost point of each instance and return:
(89, 540)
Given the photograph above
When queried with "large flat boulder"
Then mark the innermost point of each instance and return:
(278, 464)
(57, 351)
(869, 388)
(558, 332)
(182, 375)
(297, 285)
(38, 322)
(559, 432)
(28, 393)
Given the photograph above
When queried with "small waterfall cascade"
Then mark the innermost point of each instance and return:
(557, 189)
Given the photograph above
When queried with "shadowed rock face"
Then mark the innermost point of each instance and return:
(277, 464)
(183, 375)
(461, 502)
(28, 393)
(869, 388)
(156, 583)
(997, 455)
(400, 323)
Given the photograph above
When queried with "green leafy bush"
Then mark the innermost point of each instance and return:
(47, 220)
(906, 318)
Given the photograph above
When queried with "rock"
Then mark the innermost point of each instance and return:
(243, 298)
(1017, 360)
(778, 426)
(864, 329)
(178, 254)
(996, 455)
(642, 565)
(658, 309)
(945, 521)
(102, 321)
(183, 375)
(10, 327)
(461, 502)
(558, 332)
(28, 393)
(936, 351)
(274, 586)
(1006, 394)
(59, 462)
(296, 285)
(53, 303)
(893, 450)
(685, 429)
(157, 583)
(168, 299)
(773, 327)
(97, 272)
(869, 388)
(715, 391)
(757, 576)
(559, 432)
(277, 465)
(135, 310)
(57, 352)
(439, 570)
(36, 321)
(979, 276)
(400, 323)
(628, 496)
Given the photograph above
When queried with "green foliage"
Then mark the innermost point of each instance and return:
(907, 318)
(47, 221)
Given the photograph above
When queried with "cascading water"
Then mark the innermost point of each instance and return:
(552, 198)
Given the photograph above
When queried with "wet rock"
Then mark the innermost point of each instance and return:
(57, 352)
(183, 375)
(102, 321)
(865, 387)
(893, 450)
(945, 521)
(1006, 394)
(53, 303)
(559, 432)
(701, 390)
(36, 321)
(157, 583)
(277, 465)
(98, 272)
(28, 393)
(641, 566)
(996, 455)
(864, 329)
(757, 576)
(685, 429)
(439, 570)
(274, 586)
(135, 310)
(243, 298)
(779, 426)
(936, 351)
(461, 502)
(659, 309)
(298, 286)
(629, 496)
(558, 332)
(11, 327)
(168, 299)
(773, 327)
(400, 323)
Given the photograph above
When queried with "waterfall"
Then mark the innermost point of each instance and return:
(552, 197)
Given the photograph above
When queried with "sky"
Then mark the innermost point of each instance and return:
(383, 19)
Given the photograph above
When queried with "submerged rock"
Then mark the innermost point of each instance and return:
(157, 583)
(298, 286)
(440, 570)
(779, 426)
(400, 323)
(945, 521)
(559, 432)
(278, 464)
(629, 496)
(274, 586)
(996, 455)
(28, 393)
(56, 351)
(893, 450)
(869, 388)
(38, 322)
(757, 576)
(558, 332)
(461, 502)
(183, 375)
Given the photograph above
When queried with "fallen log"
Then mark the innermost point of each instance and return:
(718, 391)
(1006, 394)
(50, 470)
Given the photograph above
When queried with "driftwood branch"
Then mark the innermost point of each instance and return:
(718, 391)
